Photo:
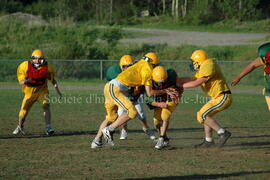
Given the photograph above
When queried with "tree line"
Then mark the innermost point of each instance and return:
(131, 11)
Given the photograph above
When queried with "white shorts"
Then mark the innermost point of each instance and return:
(138, 106)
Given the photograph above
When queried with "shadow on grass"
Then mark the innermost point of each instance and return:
(75, 133)
(253, 144)
(204, 176)
(260, 136)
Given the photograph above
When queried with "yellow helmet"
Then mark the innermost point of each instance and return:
(37, 54)
(126, 61)
(152, 58)
(199, 56)
(159, 74)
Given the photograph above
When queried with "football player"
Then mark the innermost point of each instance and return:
(33, 76)
(112, 72)
(117, 91)
(136, 98)
(263, 59)
(163, 105)
(210, 78)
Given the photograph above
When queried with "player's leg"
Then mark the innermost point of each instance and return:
(97, 142)
(124, 130)
(205, 116)
(158, 123)
(44, 99)
(142, 117)
(122, 101)
(111, 116)
(165, 117)
(208, 139)
(27, 103)
(267, 98)
(163, 128)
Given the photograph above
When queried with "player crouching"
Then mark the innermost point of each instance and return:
(163, 105)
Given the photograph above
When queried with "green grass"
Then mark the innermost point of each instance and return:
(67, 155)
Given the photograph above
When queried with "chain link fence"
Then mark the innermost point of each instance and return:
(96, 69)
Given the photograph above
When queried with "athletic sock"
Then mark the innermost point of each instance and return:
(97, 140)
(208, 139)
(145, 129)
(48, 125)
(111, 129)
(221, 131)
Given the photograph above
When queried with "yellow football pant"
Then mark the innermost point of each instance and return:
(214, 106)
(114, 98)
(30, 99)
(267, 98)
(163, 114)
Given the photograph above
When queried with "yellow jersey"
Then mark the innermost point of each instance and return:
(139, 74)
(216, 83)
(22, 73)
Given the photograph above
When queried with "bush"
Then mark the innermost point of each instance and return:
(72, 42)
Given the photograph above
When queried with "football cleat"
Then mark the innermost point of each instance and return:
(96, 144)
(18, 130)
(166, 142)
(223, 138)
(123, 134)
(150, 133)
(205, 144)
(108, 136)
(160, 143)
(49, 130)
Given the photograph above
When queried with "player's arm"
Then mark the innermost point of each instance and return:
(183, 80)
(51, 77)
(249, 68)
(22, 73)
(162, 105)
(55, 85)
(195, 83)
(170, 91)
(151, 103)
(151, 92)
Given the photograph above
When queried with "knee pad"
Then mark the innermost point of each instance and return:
(23, 113)
(132, 113)
(165, 115)
(199, 117)
(157, 122)
(111, 117)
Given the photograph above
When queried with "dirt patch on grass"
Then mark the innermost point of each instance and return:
(179, 37)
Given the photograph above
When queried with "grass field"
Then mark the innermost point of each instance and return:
(67, 155)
